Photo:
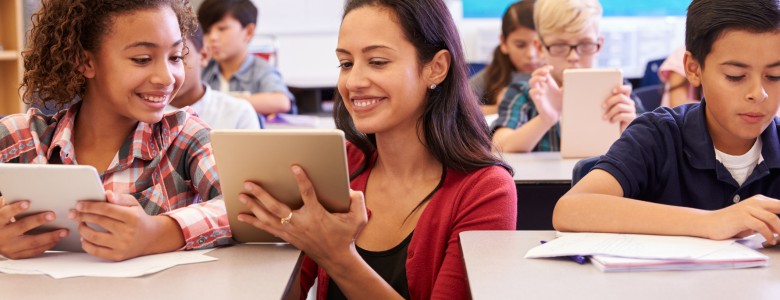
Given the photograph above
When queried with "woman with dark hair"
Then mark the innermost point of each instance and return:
(418, 149)
(513, 59)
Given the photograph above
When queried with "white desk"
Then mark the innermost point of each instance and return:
(541, 178)
(496, 269)
(242, 272)
(540, 166)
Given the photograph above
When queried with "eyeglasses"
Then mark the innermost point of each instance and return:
(565, 49)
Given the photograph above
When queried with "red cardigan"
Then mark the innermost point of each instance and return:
(481, 200)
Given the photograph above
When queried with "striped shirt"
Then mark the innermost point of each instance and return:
(167, 166)
(516, 109)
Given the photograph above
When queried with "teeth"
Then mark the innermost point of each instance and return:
(155, 98)
(364, 103)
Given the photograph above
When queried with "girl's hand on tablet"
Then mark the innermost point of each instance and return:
(546, 95)
(125, 230)
(328, 238)
(619, 107)
(14, 244)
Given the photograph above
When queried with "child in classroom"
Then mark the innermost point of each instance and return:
(402, 87)
(513, 59)
(229, 26)
(217, 109)
(709, 169)
(568, 38)
(123, 59)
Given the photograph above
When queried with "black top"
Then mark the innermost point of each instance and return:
(389, 264)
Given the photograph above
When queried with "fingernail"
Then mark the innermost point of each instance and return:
(49, 217)
(63, 233)
(240, 218)
(242, 199)
(296, 170)
(24, 205)
(247, 186)
(79, 206)
(71, 215)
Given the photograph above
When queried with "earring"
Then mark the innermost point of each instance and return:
(433, 86)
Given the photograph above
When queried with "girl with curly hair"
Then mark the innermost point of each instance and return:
(122, 61)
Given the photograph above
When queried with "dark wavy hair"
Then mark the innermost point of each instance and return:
(64, 29)
(498, 73)
(212, 11)
(454, 129)
(707, 20)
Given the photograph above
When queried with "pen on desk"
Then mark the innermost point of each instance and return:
(580, 259)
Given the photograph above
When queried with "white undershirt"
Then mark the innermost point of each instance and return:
(741, 166)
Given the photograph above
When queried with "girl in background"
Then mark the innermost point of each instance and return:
(513, 59)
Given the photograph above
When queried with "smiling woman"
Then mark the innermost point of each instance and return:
(419, 154)
(123, 61)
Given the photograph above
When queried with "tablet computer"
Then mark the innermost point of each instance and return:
(55, 188)
(584, 133)
(265, 157)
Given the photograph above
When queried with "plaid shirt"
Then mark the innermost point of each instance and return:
(516, 109)
(167, 166)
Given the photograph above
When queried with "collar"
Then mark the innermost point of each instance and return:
(144, 143)
(213, 71)
(698, 146)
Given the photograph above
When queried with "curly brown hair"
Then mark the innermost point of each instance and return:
(64, 29)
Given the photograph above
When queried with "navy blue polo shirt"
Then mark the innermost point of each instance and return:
(666, 156)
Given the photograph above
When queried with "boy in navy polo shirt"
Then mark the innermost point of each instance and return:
(710, 169)
(229, 26)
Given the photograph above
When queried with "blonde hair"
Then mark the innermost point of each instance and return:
(566, 16)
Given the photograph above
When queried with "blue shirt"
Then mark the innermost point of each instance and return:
(517, 108)
(254, 75)
(667, 156)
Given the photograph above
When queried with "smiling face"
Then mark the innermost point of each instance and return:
(380, 82)
(741, 83)
(518, 45)
(138, 66)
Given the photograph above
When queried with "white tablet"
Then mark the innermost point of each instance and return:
(265, 157)
(54, 188)
(584, 133)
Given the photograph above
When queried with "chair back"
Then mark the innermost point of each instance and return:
(582, 167)
(650, 96)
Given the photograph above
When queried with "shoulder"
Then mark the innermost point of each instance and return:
(229, 102)
(486, 179)
(32, 121)
(182, 123)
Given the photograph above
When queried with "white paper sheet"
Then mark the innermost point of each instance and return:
(734, 256)
(71, 264)
(628, 245)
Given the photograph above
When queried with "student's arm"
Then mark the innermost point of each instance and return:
(269, 103)
(596, 204)
(488, 109)
(513, 135)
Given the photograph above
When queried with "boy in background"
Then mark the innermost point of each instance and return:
(219, 110)
(229, 26)
(568, 38)
(708, 169)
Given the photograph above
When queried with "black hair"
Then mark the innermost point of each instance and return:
(708, 20)
(212, 11)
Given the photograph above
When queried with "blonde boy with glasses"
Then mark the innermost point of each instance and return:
(568, 38)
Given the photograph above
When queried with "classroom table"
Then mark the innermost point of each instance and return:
(541, 178)
(496, 269)
(257, 271)
(310, 90)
